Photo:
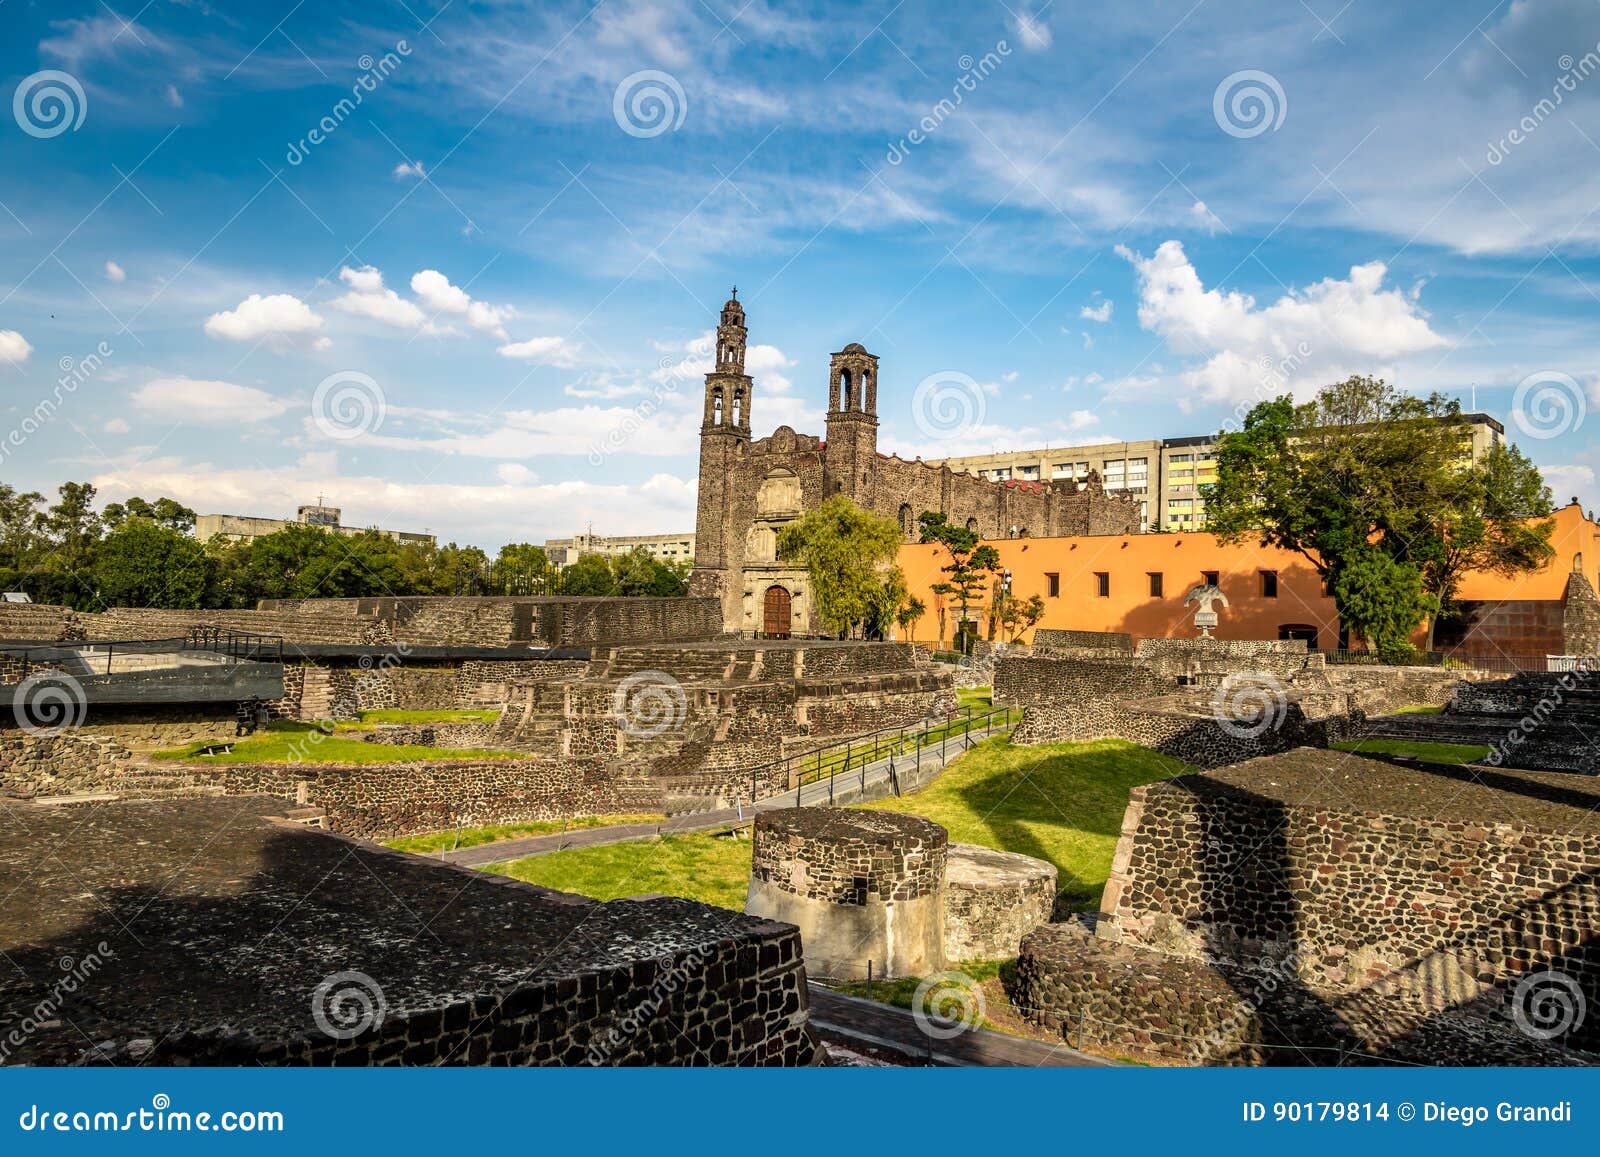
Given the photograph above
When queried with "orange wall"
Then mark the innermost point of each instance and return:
(1180, 559)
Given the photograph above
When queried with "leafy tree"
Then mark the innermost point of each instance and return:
(163, 512)
(590, 575)
(143, 563)
(1017, 615)
(910, 614)
(1362, 471)
(971, 564)
(849, 554)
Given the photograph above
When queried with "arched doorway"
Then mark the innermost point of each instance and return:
(775, 613)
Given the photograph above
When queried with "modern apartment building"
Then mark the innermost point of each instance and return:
(1166, 475)
(241, 527)
(666, 547)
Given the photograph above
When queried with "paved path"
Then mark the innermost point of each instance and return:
(893, 1028)
(871, 782)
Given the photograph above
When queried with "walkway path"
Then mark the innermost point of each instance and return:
(870, 782)
(893, 1028)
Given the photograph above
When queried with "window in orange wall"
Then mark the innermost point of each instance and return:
(1269, 584)
(1102, 584)
(1210, 577)
(1156, 584)
(1052, 585)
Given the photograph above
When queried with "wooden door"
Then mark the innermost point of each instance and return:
(776, 613)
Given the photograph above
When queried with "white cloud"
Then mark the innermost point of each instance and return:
(1305, 339)
(550, 351)
(1565, 482)
(486, 514)
(278, 315)
(436, 294)
(1204, 218)
(1100, 313)
(1034, 32)
(765, 363)
(190, 400)
(115, 272)
(368, 298)
(515, 474)
(14, 348)
(409, 169)
(1080, 420)
(174, 97)
(116, 426)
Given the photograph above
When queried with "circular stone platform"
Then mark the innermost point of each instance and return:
(861, 886)
(992, 900)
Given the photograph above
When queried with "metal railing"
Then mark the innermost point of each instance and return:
(1508, 664)
(100, 657)
(855, 753)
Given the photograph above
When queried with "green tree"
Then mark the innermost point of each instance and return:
(1017, 615)
(910, 614)
(1361, 471)
(145, 564)
(165, 512)
(590, 575)
(971, 564)
(849, 554)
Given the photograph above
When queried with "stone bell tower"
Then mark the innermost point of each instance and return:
(724, 439)
(851, 458)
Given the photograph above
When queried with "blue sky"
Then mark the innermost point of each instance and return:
(475, 299)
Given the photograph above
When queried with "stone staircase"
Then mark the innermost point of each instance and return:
(533, 723)
(316, 695)
(685, 664)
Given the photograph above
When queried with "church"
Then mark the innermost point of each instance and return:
(750, 489)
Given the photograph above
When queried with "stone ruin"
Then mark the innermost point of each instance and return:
(144, 938)
(1314, 908)
(1208, 702)
(891, 890)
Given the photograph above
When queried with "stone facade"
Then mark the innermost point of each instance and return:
(992, 900)
(1329, 902)
(749, 489)
(860, 885)
(284, 945)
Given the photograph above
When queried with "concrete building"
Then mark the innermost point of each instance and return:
(666, 547)
(1164, 475)
(242, 527)
(1138, 583)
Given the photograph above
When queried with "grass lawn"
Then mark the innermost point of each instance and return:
(711, 869)
(1427, 752)
(488, 715)
(284, 742)
(977, 698)
(1060, 802)
(472, 837)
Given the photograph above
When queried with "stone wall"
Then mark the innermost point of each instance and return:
(992, 900)
(284, 945)
(36, 766)
(860, 886)
(1402, 905)
(1047, 639)
(384, 800)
